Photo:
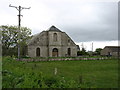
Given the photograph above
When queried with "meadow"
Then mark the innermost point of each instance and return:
(59, 74)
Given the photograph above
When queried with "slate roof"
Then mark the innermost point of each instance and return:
(33, 38)
(114, 48)
(53, 28)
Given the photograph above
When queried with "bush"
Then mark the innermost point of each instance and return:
(51, 82)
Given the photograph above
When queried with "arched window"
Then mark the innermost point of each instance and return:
(68, 40)
(69, 51)
(55, 37)
(55, 52)
(38, 52)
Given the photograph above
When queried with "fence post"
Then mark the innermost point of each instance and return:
(55, 72)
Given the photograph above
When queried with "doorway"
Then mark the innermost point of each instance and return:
(69, 52)
(38, 52)
(55, 52)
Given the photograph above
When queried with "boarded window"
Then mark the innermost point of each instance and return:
(38, 52)
(55, 52)
(55, 37)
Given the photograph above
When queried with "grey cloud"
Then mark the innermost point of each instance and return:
(101, 25)
(82, 34)
(103, 29)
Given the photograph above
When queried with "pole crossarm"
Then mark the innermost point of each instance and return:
(25, 8)
(14, 7)
(19, 8)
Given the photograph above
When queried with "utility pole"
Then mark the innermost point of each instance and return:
(82, 45)
(92, 48)
(19, 25)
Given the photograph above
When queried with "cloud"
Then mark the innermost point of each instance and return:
(83, 21)
(82, 34)
(98, 25)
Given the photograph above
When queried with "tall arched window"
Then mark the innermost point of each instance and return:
(38, 52)
(55, 37)
(69, 51)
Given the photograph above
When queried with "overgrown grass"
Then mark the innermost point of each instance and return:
(70, 74)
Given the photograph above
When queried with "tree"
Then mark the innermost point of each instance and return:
(98, 50)
(10, 38)
(82, 52)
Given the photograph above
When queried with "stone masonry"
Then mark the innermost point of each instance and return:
(52, 43)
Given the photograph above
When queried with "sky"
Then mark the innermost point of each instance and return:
(85, 21)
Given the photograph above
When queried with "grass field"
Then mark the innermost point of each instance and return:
(70, 74)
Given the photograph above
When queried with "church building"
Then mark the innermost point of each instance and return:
(52, 43)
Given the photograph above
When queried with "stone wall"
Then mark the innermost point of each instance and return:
(64, 59)
(45, 41)
(105, 51)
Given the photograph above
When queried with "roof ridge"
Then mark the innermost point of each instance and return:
(112, 46)
(53, 28)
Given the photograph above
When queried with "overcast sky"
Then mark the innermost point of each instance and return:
(93, 21)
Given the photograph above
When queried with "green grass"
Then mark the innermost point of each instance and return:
(91, 73)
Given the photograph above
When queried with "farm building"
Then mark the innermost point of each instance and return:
(52, 43)
(111, 51)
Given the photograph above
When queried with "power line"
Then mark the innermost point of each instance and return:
(19, 8)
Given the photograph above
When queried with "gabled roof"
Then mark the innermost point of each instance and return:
(53, 28)
(114, 48)
(33, 38)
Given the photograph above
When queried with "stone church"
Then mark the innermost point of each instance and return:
(52, 43)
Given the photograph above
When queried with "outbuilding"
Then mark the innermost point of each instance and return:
(111, 51)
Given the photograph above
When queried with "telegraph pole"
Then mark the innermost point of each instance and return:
(19, 25)
(82, 45)
(92, 48)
